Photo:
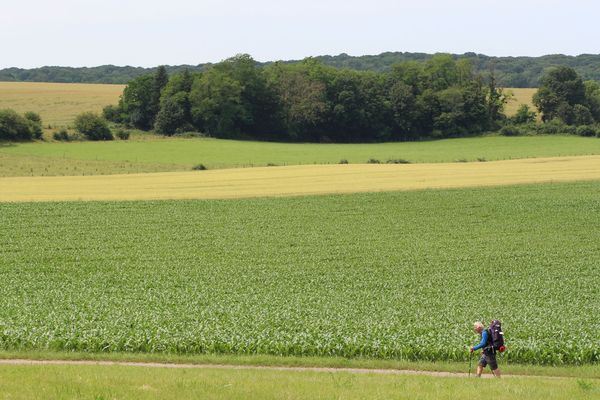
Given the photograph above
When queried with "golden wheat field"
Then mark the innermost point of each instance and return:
(520, 96)
(298, 180)
(57, 103)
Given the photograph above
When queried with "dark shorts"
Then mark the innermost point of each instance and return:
(488, 357)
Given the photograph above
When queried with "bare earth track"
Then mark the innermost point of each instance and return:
(249, 367)
(298, 180)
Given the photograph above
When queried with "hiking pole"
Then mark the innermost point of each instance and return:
(470, 362)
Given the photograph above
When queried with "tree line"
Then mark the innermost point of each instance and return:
(509, 71)
(309, 101)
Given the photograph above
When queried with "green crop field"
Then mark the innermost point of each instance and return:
(389, 275)
(22, 159)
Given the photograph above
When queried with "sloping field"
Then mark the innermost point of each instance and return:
(298, 180)
(398, 275)
(521, 96)
(218, 153)
(57, 103)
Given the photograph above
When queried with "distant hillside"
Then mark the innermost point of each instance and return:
(520, 72)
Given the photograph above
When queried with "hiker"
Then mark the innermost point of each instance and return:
(488, 355)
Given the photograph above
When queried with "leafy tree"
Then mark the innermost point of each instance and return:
(93, 126)
(160, 81)
(35, 124)
(174, 114)
(560, 89)
(302, 99)
(524, 115)
(136, 102)
(216, 104)
(15, 127)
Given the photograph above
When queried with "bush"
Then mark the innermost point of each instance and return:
(112, 113)
(373, 161)
(62, 135)
(586, 130)
(93, 126)
(122, 134)
(16, 127)
(524, 115)
(397, 161)
(35, 124)
(556, 126)
(199, 167)
(343, 161)
(511, 130)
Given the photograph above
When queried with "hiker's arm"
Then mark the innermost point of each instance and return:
(484, 338)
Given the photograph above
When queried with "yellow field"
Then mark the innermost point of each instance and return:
(298, 180)
(57, 103)
(521, 96)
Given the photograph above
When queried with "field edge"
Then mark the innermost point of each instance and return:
(591, 371)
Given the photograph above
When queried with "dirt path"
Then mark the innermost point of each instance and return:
(254, 367)
(298, 180)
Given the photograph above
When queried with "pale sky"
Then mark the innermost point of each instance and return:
(149, 32)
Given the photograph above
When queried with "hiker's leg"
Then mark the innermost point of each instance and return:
(481, 365)
(496, 372)
(479, 371)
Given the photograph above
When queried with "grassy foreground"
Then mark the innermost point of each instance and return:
(181, 154)
(590, 371)
(119, 382)
(368, 275)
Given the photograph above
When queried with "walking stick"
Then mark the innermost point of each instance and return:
(470, 362)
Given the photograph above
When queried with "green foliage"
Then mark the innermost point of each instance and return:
(112, 113)
(366, 275)
(586, 130)
(93, 126)
(62, 135)
(311, 102)
(122, 134)
(519, 72)
(523, 115)
(174, 113)
(511, 130)
(14, 127)
(136, 102)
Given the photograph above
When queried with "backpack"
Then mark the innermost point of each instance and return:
(496, 336)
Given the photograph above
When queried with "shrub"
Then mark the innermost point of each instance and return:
(556, 126)
(62, 135)
(112, 113)
(586, 130)
(373, 161)
(511, 130)
(199, 167)
(35, 124)
(93, 126)
(122, 134)
(343, 161)
(397, 161)
(16, 127)
(524, 115)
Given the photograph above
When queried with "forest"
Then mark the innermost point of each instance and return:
(518, 72)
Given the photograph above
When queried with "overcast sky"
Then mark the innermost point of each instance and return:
(149, 32)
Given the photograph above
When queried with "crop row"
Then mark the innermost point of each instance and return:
(389, 275)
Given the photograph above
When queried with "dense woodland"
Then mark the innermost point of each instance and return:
(309, 101)
(509, 71)
(312, 102)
